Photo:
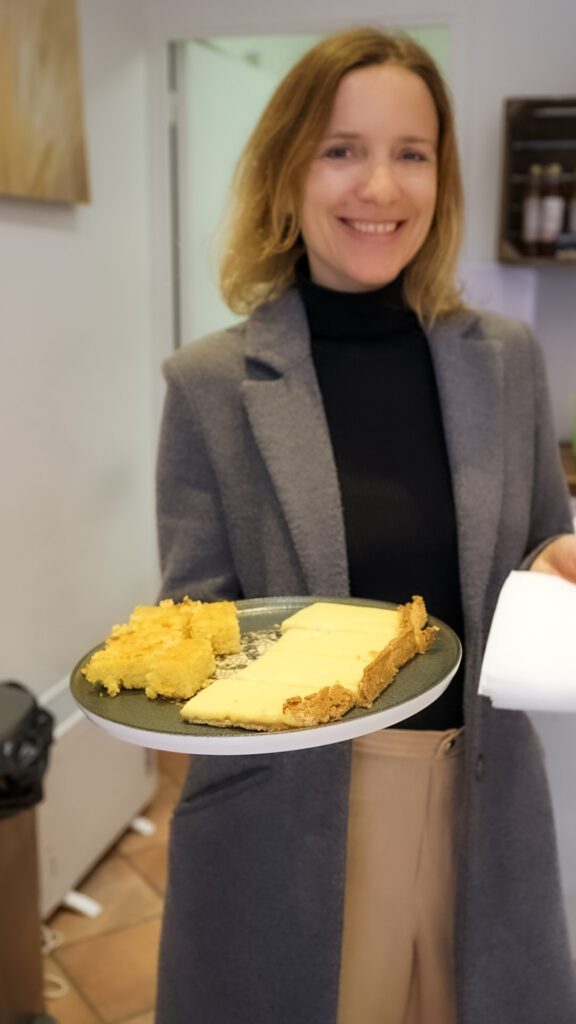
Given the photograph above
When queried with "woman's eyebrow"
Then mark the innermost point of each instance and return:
(419, 139)
(404, 139)
(343, 135)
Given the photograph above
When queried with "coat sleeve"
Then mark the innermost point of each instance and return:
(550, 513)
(195, 556)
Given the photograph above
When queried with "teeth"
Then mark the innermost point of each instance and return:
(374, 227)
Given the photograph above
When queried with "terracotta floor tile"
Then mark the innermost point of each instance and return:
(116, 972)
(125, 896)
(152, 864)
(160, 812)
(69, 1008)
(174, 766)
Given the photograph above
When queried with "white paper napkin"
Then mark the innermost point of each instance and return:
(530, 658)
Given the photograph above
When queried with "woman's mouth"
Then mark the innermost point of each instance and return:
(372, 227)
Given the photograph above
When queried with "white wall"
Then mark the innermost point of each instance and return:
(76, 444)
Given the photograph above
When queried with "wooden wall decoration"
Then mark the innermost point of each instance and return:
(42, 145)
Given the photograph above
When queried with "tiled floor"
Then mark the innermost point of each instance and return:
(107, 964)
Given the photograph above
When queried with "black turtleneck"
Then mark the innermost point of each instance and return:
(379, 391)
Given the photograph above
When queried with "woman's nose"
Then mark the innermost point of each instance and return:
(379, 184)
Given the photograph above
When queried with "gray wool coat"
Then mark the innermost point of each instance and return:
(248, 506)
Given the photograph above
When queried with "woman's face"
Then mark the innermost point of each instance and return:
(369, 194)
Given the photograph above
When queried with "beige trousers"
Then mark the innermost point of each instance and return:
(397, 943)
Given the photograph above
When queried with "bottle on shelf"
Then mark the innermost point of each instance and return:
(567, 240)
(531, 208)
(552, 208)
(572, 206)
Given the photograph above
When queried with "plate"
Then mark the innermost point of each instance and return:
(131, 716)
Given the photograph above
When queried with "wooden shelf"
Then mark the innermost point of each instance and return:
(567, 259)
(569, 463)
(535, 130)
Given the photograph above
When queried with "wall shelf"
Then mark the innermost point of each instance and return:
(536, 130)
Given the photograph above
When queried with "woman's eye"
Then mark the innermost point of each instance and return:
(337, 152)
(413, 155)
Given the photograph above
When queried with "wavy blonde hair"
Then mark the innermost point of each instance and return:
(263, 237)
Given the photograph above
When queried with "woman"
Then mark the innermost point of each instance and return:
(363, 433)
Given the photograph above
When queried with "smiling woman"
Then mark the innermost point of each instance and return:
(222, 86)
(363, 434)
(370, 193)
(265, 239)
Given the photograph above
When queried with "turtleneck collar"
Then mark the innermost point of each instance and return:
(375, 314)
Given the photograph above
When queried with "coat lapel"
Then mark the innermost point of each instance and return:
(469, 373)
(285, 410)
(286, 414)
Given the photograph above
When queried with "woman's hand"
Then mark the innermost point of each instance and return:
(558, 558)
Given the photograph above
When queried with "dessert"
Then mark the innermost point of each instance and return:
(166, 650)
(161, 666)
(215, 621)
(330, 658)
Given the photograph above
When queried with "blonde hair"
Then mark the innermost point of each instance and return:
(264, 241)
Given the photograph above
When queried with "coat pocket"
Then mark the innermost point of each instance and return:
(212, 781)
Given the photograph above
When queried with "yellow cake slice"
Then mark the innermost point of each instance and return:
(171, 669)
(167, 616)
(290, 668)
(166, 650)
(330, 617)
(343, 644)
(324, 664)
(215, 621)
(253, 704)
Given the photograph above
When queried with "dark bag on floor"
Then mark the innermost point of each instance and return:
(25, 738)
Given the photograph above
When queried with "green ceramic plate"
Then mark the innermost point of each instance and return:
(131, 716)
